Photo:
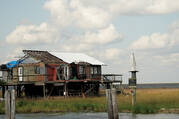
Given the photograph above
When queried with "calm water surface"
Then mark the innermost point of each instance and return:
(94, 116)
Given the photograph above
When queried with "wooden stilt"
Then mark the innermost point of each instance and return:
(17, 91)
(44, 91)
(64, 90)
(82, 91)
(3, 91)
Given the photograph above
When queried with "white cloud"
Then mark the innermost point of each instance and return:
(112, 53)
(143, 7)
(157, 40)
(103, 36)
(32, 34)
(65, 13)
(89, 40)
(76, 47)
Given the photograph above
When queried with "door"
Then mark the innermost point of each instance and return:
(20, 73)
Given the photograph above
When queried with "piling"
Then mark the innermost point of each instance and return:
(112, 105)
(7, 105)
(10, 104)
(13, 104)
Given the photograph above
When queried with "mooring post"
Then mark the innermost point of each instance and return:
(10, 104)
(112, 106)
(13, 104)
(115, 104)
(7, 105)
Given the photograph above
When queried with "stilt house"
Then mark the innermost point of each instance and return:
(43, 73)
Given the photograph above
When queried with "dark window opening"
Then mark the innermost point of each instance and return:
(37, 70)
(95, 71)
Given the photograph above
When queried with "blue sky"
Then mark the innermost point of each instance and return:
(107, 30)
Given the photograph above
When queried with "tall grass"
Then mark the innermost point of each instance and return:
(148, 101)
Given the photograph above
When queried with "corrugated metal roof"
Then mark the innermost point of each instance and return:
(76, 57)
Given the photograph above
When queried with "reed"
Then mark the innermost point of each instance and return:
(148, 101)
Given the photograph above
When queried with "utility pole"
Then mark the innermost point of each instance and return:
(133, 79)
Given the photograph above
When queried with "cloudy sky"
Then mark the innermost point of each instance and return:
(108, 30)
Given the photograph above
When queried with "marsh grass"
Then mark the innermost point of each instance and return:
(148, 101)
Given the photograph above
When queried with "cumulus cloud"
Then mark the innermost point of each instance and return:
(31, 34)
(65, 13)
(158, 40)
(143, 7)
(101, 36)
(92, 18)
(112, 53)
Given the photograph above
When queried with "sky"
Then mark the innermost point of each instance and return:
(109, 30)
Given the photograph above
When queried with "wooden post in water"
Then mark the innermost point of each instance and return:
(10, 104)
(7, 105)
(115, 104)
(112, 105)
(13, 104)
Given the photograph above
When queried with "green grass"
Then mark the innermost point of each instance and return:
(148, 101)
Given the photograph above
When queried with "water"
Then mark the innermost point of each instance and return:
(94, 116)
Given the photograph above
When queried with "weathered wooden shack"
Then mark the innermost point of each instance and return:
(44, 73)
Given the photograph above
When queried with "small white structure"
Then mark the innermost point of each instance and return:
(133, 62)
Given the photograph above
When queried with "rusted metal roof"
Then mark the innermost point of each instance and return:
(43, 56)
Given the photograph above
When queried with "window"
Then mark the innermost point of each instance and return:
(91, 70)
(81, 70)
(37, 70)
(95, 70)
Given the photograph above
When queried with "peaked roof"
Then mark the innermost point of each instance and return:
(76, 57)
(44, 56)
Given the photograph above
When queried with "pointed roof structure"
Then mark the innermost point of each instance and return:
(133, 62)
